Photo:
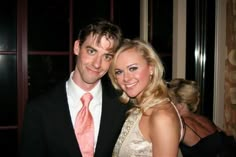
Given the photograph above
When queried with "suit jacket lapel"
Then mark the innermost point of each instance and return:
(105, 125)
(65, 128)
(111, 121)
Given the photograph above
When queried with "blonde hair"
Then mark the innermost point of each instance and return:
(156, 90)
(184, 91)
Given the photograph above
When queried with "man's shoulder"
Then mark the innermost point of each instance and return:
(108, 88)
(56, 93)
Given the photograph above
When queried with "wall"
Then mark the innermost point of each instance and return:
(230, 69)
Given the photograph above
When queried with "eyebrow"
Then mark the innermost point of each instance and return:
(105, 53)
(90, 47)
(110, 53)
(134, 64)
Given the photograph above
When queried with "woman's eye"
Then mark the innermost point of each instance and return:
(118, 72)
(133, 68)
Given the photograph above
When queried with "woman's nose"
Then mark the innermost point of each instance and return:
(126, 76)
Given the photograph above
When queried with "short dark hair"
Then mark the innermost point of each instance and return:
(101, 27)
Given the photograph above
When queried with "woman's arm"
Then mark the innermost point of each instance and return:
(165, 132)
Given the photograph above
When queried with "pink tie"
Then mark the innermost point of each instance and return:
(84, 128)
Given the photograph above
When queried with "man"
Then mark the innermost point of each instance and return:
(49, 123)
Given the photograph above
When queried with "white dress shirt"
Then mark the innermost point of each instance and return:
(74, 93)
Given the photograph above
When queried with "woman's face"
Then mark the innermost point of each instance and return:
(132, 72)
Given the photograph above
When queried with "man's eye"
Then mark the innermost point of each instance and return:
(133, 68)
(91, 51)
(118, 72)
(108, 57)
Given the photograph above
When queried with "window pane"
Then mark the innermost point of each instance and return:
(8, 25)
(45, 72)
(127, 14)
(8, 143)
(48, 25)
(167, 62)
(8, 106)
(160, 35)
(162, 25)
(87, 10)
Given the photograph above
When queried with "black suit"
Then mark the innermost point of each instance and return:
(48, 130)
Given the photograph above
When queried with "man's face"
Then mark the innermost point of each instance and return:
(93, 60)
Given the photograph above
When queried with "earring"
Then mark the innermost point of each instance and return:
(151, 75)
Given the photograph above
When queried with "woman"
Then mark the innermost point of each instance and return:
(153, 127)
(202, 137)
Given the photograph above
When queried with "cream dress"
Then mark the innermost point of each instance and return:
(131, 142)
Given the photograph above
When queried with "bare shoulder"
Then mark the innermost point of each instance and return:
(164, 121)
(201, 124)
(164, 113)
(203, 119)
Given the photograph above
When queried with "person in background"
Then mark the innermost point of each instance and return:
(153, 127)
(52, 124)
(202, 138)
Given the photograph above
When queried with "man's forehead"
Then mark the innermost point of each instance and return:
(100, 41)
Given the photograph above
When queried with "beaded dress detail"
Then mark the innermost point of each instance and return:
(131, 142)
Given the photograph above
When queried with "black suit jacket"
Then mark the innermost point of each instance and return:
(48, 131)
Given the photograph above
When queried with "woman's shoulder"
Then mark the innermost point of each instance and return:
(164, 112)
(202, 125)
(165, 107)
(165, 121)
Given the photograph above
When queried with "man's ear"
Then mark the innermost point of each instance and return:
(76, 47)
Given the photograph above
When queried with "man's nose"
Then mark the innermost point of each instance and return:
(97, 62)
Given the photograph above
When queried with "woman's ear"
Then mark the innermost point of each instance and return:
(151, 70)
(76, 47)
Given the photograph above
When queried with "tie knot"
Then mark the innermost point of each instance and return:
(86, 98)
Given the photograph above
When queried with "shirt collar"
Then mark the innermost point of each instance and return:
(76, 92)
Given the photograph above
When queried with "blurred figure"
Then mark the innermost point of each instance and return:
(153, 127)
(202, 137)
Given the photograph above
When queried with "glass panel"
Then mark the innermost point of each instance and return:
(8, 25)
(127, 15)
(160, 35)
(8, 94)
(162, 12)
(167, 62)
(85, 11)
(45, 72)
(201, 41)
(8, 143)
(48, 25)
(191, 36)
